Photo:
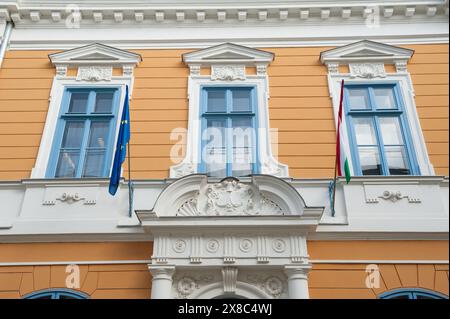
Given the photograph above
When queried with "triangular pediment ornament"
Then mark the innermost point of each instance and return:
(228, 53)
(366, 51)
(95, 53)
(227, 56)
(94, 57)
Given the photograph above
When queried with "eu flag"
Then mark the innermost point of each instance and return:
(121, 150)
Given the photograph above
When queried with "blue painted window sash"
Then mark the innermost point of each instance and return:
(228, 116)
(375, 114)
(56, 294)
(87, 118)
(412, 293)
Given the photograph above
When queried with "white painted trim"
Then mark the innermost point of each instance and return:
(77, 262)
(399, 57)
(236, 58)
(105, 58)
(4, 39)
(56, 95)
(192, 44)
(27, 14)
(377, 261)
(194, 124)
(147, 262)
(254, 35)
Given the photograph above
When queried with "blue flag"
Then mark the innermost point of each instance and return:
(121, 147)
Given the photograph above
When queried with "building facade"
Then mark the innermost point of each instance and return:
(233, 113)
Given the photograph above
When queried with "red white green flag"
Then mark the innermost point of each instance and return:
(343, 168)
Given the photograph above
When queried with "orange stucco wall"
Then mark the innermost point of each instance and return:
(326, 280)
(97, 280)
(299, 107)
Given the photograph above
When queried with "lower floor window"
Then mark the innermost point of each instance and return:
(412, 294)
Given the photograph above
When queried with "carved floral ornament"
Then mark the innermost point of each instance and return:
(94, 73)
(367, 70)
(229, 197)
(228, 72)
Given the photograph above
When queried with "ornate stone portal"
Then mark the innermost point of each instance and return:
(230, 238)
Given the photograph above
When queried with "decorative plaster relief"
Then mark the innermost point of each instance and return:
(230, 248)
(229, 275)
(228, 72)
(94, 73)
(184, 284)
(272, 285)
(70, 195)
(373, 194)
(183, 169)
(229, 197)
(367, 70)
(333, 68)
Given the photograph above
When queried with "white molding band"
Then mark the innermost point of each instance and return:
(146, 262)
(378, 261)
(26, 13)
(290, 23)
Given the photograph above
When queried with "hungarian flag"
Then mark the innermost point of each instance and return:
(343, 168)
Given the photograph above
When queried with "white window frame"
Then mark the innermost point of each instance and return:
(369, 68)
(88, 75)
(229, 71)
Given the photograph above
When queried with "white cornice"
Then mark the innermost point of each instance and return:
(366, 51)
(114, 13)
(95, 54)
(228, 53)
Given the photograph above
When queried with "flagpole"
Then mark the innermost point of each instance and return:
(130, 187)
(334, 186)
(337, 145)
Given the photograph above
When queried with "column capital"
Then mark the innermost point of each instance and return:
(161, 272)
(297, 271)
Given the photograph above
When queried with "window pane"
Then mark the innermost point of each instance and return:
(401, 296)
(243, 136)
(384, 98)
(78, 102)
(63, 296)
(215, 153)
(73, 135)
(358, 99)
(370, 161)
(93, 164)
(397, 160)
(67, 164)
(242, 101)
(365, 131)
(98, 135)
(216, 101)
(391, 130)
(103, 102)
(425, 296)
